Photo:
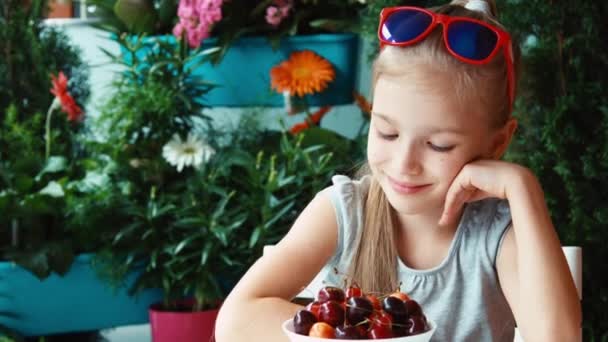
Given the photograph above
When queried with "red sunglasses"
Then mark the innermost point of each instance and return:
(469, 40)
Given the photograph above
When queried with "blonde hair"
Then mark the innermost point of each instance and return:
(484, 85)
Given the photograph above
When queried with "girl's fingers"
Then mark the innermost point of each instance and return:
(458, 194)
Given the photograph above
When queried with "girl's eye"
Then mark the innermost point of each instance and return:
(440, 148)
(387, 136)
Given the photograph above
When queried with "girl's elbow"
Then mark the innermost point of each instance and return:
(223, 324)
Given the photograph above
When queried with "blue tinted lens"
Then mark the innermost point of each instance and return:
(471, 40)
(404, 25)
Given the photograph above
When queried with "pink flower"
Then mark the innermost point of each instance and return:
(277, 12)
(196, 18)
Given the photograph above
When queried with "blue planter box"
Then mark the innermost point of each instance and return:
(243, 75)
(78, 301)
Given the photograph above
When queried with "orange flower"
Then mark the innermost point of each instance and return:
(362, 103)
(315, 118)
(303, 73)
(68, 104)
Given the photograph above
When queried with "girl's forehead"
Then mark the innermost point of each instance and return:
(406, 101)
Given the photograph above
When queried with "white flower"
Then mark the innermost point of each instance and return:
(192, 152)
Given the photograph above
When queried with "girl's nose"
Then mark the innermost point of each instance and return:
(409, 159)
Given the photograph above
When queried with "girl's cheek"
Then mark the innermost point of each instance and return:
(377, 153)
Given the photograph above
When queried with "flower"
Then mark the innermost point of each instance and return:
(196, 17)
(277, 12)
(362, 103)
(303, 73)
(313, 119)
(192, 152)
(63, 97)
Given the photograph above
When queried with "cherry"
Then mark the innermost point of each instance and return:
(358, 309)
(417, 325)
(381, 318)
(350, 332)
(400, 295)
(380, 331)
(395, 307)
(332, 313)
(375, 302)
(354, 291)
(322, 330)
(314, 308)
(330, 293)
(302, 321)
(412, 308)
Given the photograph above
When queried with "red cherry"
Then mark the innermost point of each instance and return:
(322, 330)
(350, 332)
(412, 308)
(330, 293)
(332, 313)
(417, 325)
(375, 302)
(381, 318)
(400, 295)
(354, 291)
(379, 332)
(303, 321)
(314, 308)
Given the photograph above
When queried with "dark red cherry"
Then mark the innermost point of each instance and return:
(358, 309)
(302, 322)
(417, 325)
(396, 308)
(379, 331)
(412, 308)
(330, 293)
(349, 332)
(332, 313)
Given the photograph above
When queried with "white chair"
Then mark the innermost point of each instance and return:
(574, 257)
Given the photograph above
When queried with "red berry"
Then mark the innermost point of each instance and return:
(330, 293)
(354, 291)
(332, 313)
(349, 332)
(401, 295)
(375, 302)
(314, 308)
(303, 321)
(358, 309)
(322, 330)
(379, 332)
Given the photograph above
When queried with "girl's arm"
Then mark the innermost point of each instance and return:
(532, 268)
(260, 302)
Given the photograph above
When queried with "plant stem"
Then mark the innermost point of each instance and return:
(47, 128)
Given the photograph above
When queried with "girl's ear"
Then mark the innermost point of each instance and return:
(503, 138)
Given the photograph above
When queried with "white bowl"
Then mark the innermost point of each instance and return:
(293, 337)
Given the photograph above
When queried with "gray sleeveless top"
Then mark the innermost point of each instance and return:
(462, 294)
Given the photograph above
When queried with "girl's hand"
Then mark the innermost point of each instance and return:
(482, 179)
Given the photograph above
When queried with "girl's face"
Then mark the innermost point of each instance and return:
(419, 139)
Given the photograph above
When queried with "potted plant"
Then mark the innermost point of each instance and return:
(248, 38)
(47, 243)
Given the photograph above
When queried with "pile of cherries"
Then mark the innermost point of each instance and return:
(353, 315)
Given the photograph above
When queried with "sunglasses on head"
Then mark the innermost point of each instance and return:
(469, 40)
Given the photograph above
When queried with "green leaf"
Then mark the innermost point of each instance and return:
(53, 189)
(53, 164)
(253, 240)
(278, 215)
(205, 253)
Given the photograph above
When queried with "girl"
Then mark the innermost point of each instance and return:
(467, 235)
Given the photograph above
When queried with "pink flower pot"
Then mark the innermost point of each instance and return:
(183, 326)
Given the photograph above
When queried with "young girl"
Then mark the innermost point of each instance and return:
(466, 235)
